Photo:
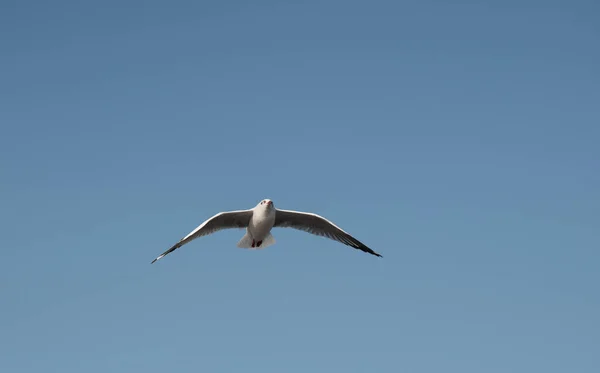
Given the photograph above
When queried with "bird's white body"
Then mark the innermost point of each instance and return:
(258, 233)
(261, 222)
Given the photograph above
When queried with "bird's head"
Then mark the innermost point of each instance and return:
(266, 204)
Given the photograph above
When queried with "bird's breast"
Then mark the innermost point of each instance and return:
(261, 224)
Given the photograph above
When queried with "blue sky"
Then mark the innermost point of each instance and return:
(460, 141)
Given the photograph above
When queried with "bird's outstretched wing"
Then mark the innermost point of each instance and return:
(222, 220)
(317, 225)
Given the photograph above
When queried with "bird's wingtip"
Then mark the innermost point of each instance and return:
(376, 254)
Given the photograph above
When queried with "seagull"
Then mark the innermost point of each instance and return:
(259, 221)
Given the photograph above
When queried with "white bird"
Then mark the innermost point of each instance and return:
(261, 219)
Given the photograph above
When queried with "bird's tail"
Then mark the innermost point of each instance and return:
(247, 240)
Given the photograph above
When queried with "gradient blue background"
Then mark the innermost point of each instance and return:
(461, 141)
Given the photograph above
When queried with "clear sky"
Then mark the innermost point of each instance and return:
(460, 141)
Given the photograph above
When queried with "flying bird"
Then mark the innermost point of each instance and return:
(259, 221)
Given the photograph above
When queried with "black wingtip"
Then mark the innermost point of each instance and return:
(369, 251)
